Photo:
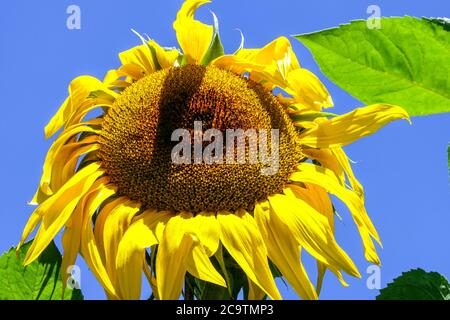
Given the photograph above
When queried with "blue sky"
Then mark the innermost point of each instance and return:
(403, 168)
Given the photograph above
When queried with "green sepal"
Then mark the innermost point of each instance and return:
(216, 49)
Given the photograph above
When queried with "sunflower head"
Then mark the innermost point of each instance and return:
(136, 140)
(112, 183)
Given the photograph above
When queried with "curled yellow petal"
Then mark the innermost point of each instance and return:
(68, 169)
(321, 269)
(57, 210)
(244, 242)
(79, 90)
(276, 65)
(203, 231)
(100, 224)
(327, 159)
(318, 198)
(166, 58)
(114, 227)
(326, 178)
(140, 58)
(54, 155)
(308, 90)
(345, 129)
(283, 251)
(89, 247)
(199, 265)
(32, 223)
(277, 57)
(312, 231)
(131, 252)
(270, 64)
(71, 241)
(193, 36)
(205, 226)
(344, 163)
(171, 261)
(145, 59)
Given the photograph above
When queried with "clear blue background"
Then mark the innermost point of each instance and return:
(403, 167)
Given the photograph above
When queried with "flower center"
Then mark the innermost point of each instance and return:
(137, 150)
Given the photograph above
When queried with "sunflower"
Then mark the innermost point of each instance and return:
(128, 210)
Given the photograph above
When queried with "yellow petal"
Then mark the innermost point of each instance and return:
(58, 209)
(344, 162)
(345, 129)
(111, 77)
(86, 107)
(277, 57)
(307, 89)
(193, 36)
(321, 269)
(276, 65)
(151, 280)
(79, 90)
(166, 58)
(237, 64)
(246, 53)
(32, 223)
(71, 241)
(114, 227)
(69, 167)
(55, 152)
(131, 252)
(312, 231)
(172, 258)
(199, 265)
(327, 159)
(69, 156)
(100, 223)
(39, 197)
(205, 226)
(283, 251)
(244, 242)
(319, 199)
(325, 178)
(254, 292)
(133, 72)
(139, 59)
(270, 64)
(89, 247)
(316, 197)
(203, 230)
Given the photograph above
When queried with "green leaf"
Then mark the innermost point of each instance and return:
(406, 62)
(41, 280)
(417, 285)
